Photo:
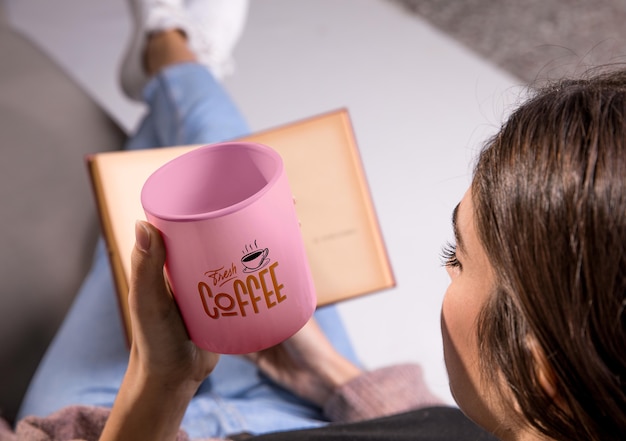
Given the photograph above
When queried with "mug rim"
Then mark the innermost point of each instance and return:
(148, 206)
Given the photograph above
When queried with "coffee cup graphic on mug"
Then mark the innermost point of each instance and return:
(255, 260)
(235, 258)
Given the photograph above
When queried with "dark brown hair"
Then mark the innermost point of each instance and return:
(549, 192)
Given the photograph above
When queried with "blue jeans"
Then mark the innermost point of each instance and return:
(88, 357)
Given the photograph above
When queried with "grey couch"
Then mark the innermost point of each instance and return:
(48, 219)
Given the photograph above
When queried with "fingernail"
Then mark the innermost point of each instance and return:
(142, 236)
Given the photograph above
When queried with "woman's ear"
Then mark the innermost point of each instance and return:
(543, 369)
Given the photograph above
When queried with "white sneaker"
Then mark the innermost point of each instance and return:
(213, 27)
(147, 16)
(216, 27)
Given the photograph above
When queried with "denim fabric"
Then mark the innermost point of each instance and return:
(87, 359)
(186, 105)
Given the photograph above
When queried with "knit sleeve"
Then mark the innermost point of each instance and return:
(76, 423)
(6, 433)
(380, 392)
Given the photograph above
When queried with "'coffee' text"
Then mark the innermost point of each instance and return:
(249, 295)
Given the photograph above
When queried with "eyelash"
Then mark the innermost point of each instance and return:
(448, 256)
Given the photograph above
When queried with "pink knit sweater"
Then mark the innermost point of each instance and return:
(377, 393)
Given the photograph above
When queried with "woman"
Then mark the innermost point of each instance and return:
(533, 321)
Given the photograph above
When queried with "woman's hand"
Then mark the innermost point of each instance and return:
(165, 367)
(307, 364)
(161, 344)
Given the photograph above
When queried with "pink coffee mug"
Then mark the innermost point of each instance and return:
(235, 257)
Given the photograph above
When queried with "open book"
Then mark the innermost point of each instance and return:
(341, 234)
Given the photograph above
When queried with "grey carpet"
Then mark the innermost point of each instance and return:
(534, 40)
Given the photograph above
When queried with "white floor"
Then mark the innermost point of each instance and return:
(421, 106)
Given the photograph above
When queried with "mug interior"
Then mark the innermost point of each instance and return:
(210, 180)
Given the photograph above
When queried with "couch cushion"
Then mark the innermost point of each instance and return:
(49, 224)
